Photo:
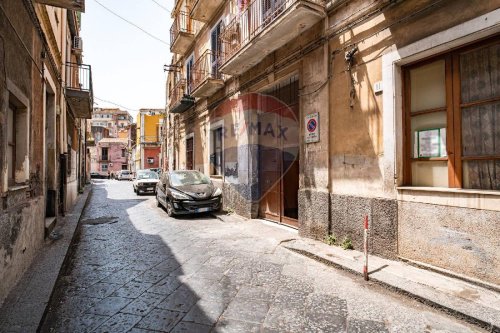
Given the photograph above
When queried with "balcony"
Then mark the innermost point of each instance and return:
(263, 27)
(181, 33)
(153, 140)
(204, 10)
(207, 78)
(77, 5)
(179, 100)
(79, 91)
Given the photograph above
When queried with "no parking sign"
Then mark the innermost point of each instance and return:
(312, 127)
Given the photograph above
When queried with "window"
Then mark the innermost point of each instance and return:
(17, 142)
(124, 152)
(104, 153)
(124, 167)
(104, 167)
(215, 43)
(216, 158)
(452, 119)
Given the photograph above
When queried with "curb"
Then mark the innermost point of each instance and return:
(67, 255)
(455, 313)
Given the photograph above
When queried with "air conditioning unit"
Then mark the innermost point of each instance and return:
(78, 43)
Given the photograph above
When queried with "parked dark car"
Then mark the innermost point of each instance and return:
(187, 192)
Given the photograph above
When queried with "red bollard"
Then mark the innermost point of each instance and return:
(365, 240)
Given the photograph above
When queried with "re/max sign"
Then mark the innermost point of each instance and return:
(259, 128)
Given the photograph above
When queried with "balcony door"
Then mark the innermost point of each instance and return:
(216, 50)
(189, 74)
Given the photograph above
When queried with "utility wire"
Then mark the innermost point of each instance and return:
(161, 6)
(133, 24)
(116, 104)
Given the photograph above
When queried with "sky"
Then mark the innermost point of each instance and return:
(127, 64)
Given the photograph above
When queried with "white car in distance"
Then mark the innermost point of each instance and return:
(145, 182)
(124, 175)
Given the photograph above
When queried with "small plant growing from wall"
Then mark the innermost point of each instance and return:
(330, 239)
(347, 243)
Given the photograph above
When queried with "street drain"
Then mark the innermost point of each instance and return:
(101, 220)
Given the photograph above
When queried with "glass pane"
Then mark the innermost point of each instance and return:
(428, 173)
(483, 175)
(426, 122)
(480, 74)
(481, 130)
(428, 86)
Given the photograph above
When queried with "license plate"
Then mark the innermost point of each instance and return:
(202, 210)
(150, 189)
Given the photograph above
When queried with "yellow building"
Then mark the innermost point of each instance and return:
(147, 153)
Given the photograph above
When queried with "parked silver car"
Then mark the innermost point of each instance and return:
(124, 175)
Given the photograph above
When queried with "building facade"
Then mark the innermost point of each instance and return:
(116, 121)
(45, 97)
(109, 123)
(316, 114)
(112, 156)
(148, 142)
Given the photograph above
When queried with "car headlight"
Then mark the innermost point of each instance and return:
(179, 195)
(217, 192)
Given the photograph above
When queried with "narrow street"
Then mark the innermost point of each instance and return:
(133, 269)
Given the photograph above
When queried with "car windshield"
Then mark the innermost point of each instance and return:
(180, 178)
(147, 175)
(125, 173)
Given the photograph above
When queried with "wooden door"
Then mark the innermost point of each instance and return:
(278, 158)
(190, 154)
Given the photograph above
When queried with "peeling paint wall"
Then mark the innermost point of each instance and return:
(22, 207)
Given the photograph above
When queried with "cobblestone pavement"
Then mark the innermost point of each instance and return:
(134, 269)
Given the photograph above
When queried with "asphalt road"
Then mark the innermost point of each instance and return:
(133, 269)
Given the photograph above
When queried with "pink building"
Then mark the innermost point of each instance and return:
(112, 155)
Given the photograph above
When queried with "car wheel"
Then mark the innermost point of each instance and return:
(170, 209)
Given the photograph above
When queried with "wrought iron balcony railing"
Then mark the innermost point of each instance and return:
(79, 77)
(255, 17)
(181, 33)
(150, 139)
(79, 89)
(179, 100)
(177, 92)
(206, 67)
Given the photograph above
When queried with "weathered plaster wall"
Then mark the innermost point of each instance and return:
(466, 241)
(21, 209)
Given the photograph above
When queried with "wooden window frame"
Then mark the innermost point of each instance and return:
(453, 110)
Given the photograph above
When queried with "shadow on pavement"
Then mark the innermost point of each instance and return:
(120, 274)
